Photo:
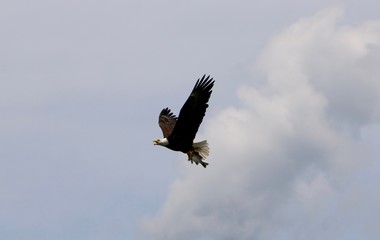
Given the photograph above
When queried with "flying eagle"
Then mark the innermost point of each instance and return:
(180, 132)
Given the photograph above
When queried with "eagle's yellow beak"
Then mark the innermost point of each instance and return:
(156, 141)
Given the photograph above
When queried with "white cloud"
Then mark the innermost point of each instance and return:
(285, 164)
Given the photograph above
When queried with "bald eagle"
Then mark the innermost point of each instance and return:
(180, 132)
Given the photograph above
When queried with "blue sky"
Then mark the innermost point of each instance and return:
(293, 122)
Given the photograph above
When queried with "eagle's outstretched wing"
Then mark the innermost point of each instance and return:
(192, 112)
(167, 121)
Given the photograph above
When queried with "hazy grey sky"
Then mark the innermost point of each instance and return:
(293, 123)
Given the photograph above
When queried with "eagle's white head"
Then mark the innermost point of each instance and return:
(162, 142)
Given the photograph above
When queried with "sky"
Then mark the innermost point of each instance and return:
(293, 123)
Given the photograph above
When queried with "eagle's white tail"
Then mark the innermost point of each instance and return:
(201, 151)
(202, 148)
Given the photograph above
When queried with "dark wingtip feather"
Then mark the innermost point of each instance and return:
(167, 112)
(204, 83)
